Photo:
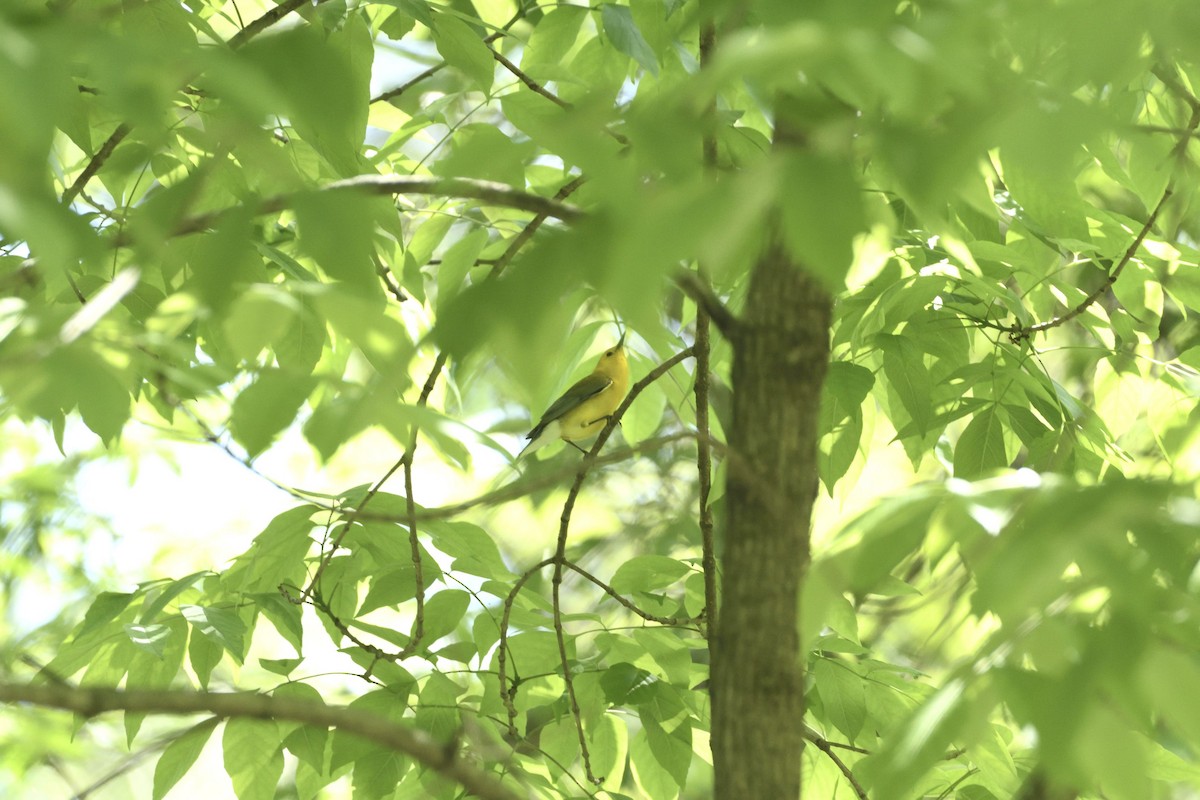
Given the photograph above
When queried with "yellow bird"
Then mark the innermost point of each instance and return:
(584, 408)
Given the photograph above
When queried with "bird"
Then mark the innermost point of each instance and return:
(584, 408)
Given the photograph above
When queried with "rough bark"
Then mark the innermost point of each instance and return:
(781, 351)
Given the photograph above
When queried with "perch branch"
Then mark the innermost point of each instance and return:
(560, 550)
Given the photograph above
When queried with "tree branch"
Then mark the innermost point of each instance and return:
(703, 348)
(401, 738)
(489, 192)
(702, 294)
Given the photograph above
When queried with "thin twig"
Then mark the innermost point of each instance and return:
(211, 436)
(418, 629)
(95, 163)
(528, 81)
(506, 694)
(1020, 333)
(826, 747)
(1017, 332)
(404, 87)
(268, 19)
(389, 282)
(561, 638)
(615, 595)
(391, 94)
(529, 230)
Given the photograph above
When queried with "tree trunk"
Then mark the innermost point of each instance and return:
(781, 350)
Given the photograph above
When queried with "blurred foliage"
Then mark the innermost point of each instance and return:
(1011, 602)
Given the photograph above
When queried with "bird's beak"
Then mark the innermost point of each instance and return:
(621, 341)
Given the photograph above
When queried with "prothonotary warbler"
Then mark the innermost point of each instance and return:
(584, 408)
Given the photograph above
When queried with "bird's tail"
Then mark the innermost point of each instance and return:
(540, 436)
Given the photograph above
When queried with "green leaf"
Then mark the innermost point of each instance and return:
(457, 263)
(560, 741)
(463, 48)
(1113, 754)
(376, 776)
(534, 653)
(921, 742)
(277, 554)
(284, 615)
(253, 757)
(443, 612)
(650, 776)
(846, 387)
(152, 609)
(647, 574)
(305, 742)
(417, 9)
(822, 209)
(219, 624)
(204, 655)
(179, 756)
(672, 750)
(257, 318)
(325, 79)
(149, 638)
(397, 25)
(904, 366)
(608, 745)
(645, 416)
(267, 407)
(349, 748)
(382, 339)
(671, 654)
(280, 666)
(624, 34)
(552, 39)
(336, 229)
(438, 712)
(104, 609)
(980, 448)
(842, 696)
(473, 550)
(485, 152)
(891, 530)
(1171, 678)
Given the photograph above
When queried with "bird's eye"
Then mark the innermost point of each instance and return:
(609, 353)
